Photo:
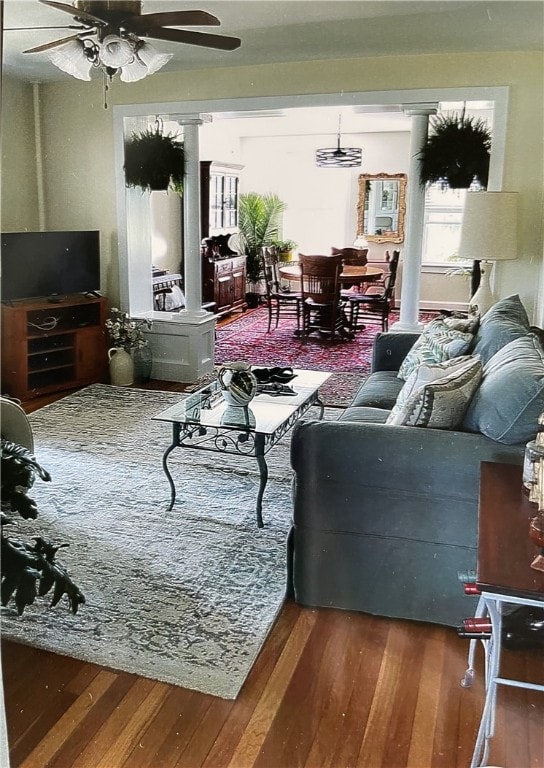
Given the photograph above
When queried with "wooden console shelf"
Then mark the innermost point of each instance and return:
(48, 347)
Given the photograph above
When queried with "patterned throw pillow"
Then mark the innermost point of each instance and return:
(467, 324)
(437, 396)
(436, 344)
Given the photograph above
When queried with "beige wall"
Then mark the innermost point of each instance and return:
(78, 141)
(19, 196)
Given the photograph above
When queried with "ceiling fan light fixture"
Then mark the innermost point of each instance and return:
(152, 59)
(72, 59)
(134, 71)
(116, 51)
(109, 39)
(146, 61)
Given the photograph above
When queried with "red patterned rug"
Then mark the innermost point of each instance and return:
(246, 338)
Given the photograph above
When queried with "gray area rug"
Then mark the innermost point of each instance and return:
(188, 596)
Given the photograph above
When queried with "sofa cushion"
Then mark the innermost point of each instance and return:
(379, 390)
(365, 413)
(436, 344)
(511, 396)
(437, 396)
(503, 322)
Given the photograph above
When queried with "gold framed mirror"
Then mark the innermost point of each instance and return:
(381, 207)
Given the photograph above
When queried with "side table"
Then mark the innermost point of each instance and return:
(504, 577)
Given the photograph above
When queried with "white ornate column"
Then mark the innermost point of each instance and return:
(183, 343)
(415, 212)
(192, 260)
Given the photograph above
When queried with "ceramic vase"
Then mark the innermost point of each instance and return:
(143, 363)
(238, 384)
(121, 367)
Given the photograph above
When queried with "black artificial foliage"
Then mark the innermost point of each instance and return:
(25, 594)
(154, 160)
(456, 153)
(28, 570)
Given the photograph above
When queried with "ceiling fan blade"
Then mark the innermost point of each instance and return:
(26, 29)
(139, 24)
(48, 46)
(221, 42)
(72, 11)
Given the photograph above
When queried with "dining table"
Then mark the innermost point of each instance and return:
(350, 275)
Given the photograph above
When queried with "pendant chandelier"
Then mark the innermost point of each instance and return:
(339, 157)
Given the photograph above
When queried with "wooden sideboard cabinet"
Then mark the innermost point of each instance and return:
(224, 283)
(48, 347)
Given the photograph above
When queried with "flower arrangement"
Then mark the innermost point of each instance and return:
(126, 332)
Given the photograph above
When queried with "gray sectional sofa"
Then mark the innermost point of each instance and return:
(385, 516)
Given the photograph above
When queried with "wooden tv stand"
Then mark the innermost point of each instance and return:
(48, 346)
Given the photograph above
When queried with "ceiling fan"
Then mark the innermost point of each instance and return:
(109, 36)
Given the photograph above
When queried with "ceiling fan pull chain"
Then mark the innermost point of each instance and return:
(106, 87)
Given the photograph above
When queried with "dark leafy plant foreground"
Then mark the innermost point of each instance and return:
(28, 570)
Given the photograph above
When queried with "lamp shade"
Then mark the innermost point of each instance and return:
(152, 58)
(116, 52)
(146, 62)
(489, 227)
(360, 242)
(71, 58)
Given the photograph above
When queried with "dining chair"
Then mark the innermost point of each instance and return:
(378, 286)
(320, 291)
(279, 301)
(369, 305)
(356, 257)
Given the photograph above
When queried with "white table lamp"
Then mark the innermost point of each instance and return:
(488, 234)
(360, 242)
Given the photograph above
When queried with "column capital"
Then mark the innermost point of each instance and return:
(420, 108)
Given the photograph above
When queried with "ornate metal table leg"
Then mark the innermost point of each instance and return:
(263, 472)
(321, 407)
(168, 451)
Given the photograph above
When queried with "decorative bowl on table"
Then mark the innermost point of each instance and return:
(275, 374)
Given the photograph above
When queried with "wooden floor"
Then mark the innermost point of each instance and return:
(330, 688)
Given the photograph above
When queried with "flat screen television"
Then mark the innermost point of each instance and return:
(49, 264)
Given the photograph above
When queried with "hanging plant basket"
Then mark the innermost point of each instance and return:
(154, 160)
(456, 153)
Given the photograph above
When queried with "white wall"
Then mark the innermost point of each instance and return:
(220, 141)
(166, 230)
(321, 202)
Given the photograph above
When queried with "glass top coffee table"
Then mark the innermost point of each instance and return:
(204, 421)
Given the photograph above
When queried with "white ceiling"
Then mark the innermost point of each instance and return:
(296, 30)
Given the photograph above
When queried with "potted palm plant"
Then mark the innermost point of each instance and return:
(155, 160)
(456, 152)
(259, 219)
